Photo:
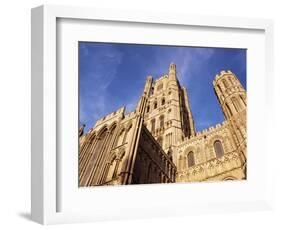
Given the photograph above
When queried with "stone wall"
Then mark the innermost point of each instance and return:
(152, 164)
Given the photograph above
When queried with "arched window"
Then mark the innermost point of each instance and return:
(89, 166)
(231, 79)
(190, 159)
(155, 105)
(228, 108)
(163, 101)
(110, 139)
(151, 91)
(111, 169)
(236, 104)
(219, 89)
(218, 148)
(153, 125)
(224, 82)
(160, 141)
(101, 139)
(120, 137)
(147, 109)
(126, 133)
(243, 100)
(87, 145)
(168, 140)
(160, 87)
(161, 121)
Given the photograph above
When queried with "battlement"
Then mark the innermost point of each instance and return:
(217, 126)
(222, 73)
(161, 78)
(208, 130)
(120, 112)
(130, 114)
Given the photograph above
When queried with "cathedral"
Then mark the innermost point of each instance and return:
(158, 141)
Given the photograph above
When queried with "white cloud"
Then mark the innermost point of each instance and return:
(96, 80)
(187, 61)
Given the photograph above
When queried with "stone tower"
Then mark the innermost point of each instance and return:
(232, 97)
(158, 143)
(167, 114)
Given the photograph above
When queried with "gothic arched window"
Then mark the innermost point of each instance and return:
(190, 159)
(236, 104)
(126, 133)
(101, 139)
(160, 87)
(120, 137)
(155, 105)
(231, 79)
(243, 100)
(111, 168)
(218, 148)
(153, 125)
(147, 109)
(151, 91)
(224, 82)
(161, 121)
(168, 140)
(90, 164)
(110, 139)
(163, 101)
(228, 108)
(86, 145)
(219, 89)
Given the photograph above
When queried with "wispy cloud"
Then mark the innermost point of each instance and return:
(98, 68)
(113, 75)
(187, 62)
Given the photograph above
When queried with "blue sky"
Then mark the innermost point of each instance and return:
(113, 75)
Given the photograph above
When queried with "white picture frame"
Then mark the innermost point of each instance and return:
(45, 206)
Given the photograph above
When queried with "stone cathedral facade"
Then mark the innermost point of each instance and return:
(158, 142)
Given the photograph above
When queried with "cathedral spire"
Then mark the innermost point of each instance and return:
(172, 72)
(146, 92)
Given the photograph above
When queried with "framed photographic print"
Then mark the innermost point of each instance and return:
(137, 114)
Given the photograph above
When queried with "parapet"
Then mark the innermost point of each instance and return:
(161, 78)
(209, 129)
(130, 114)
(218, 125)
(222, 73)
(118, 113)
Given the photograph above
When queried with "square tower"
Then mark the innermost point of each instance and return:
(167, 113)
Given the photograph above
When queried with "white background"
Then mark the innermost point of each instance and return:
(101, 200)
(15, 113)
